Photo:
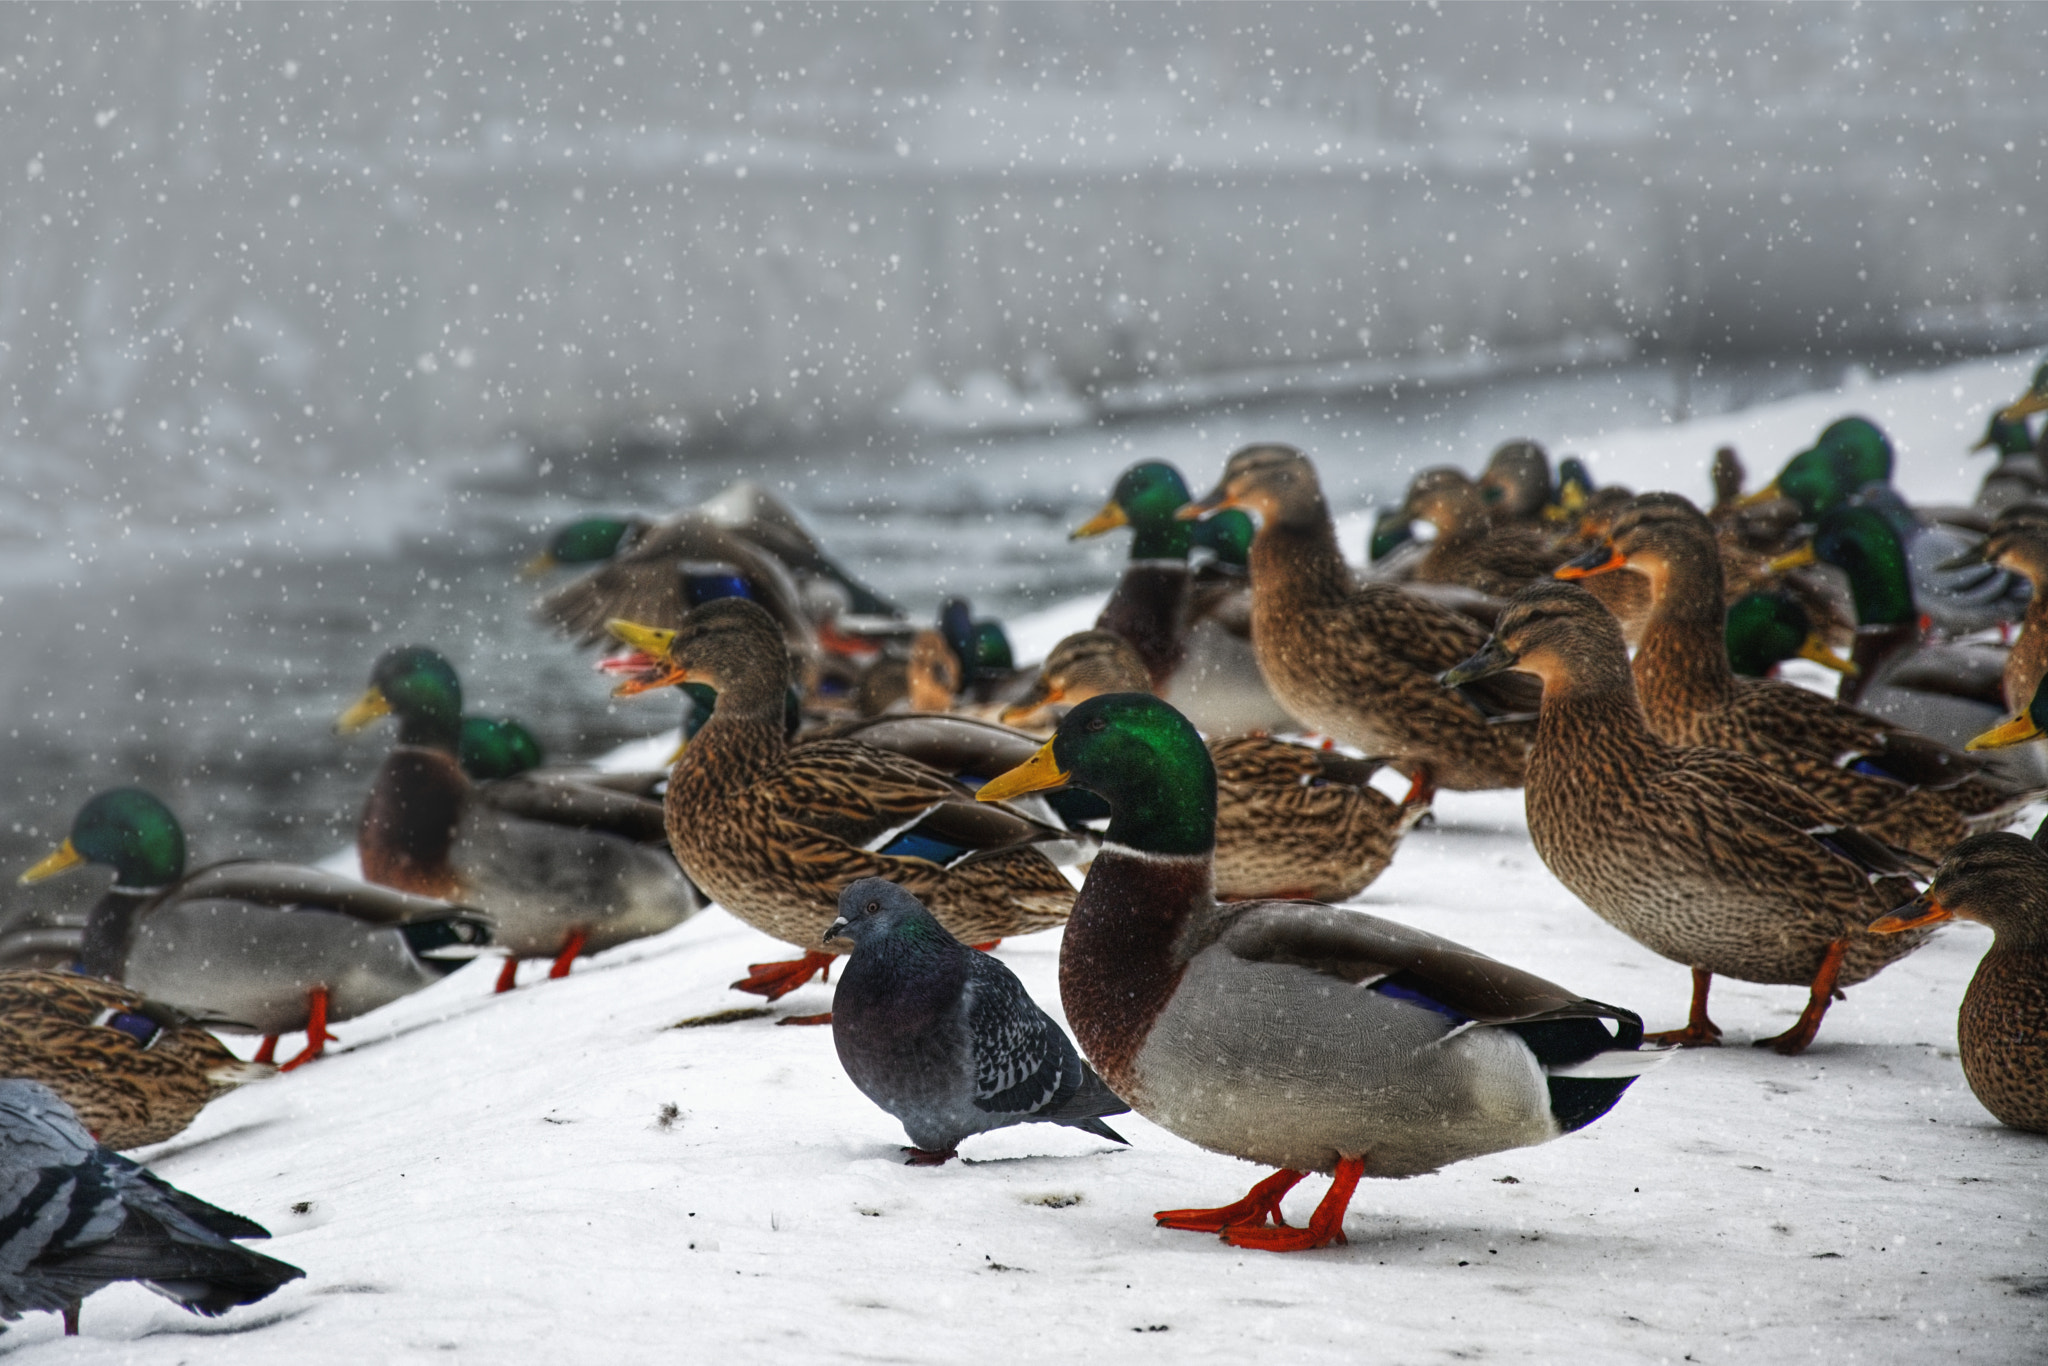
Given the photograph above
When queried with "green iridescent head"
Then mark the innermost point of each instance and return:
(1849, 456)
(1145, 498)
(419, 687)
(1864, 545)
(588, 541)
(1228, 534)
(1149, 763)
(2006, 435)
(491, 748)
(982, 647)
(1390, 531)
(1766, 629)
(127, 830)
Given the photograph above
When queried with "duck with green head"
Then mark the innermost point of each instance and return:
(2018, 475)
(1288, 1033)
(1189, 626)
(270, 948)
(1767, 628)
(563, 867)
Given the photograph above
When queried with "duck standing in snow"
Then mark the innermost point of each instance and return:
(562, 868)
(1290, 1033)
(270, 948)
(136, 1071)
(80, 1217)
(945, 1038)
(1704, 856)
(1999, 880)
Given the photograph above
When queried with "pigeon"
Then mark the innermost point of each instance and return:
(945, 1038)
(75, 1217)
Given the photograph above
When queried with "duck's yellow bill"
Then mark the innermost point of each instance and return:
(2017, 731)
(2026, 406)
(1911, 916)
(1817, 650)
(644, 638)
(1109, 519)
(369, 707)
(61, 860)
(1039, 773)
(1797, 559)
(540, 564)
(1768, 493)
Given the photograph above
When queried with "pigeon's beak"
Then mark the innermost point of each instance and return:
(836, 930)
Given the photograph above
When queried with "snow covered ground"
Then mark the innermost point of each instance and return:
(562, 1173)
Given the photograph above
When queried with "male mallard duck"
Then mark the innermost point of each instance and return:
(1767, 628)
(1471, 550)
(271, 948)
(1999, 880)
(137, 1071)
(1882, 777)
(1516, 482)
(563, 868)
(774, 831)
(496, 748)
(1701, 855)
(1289, 1033)
(1291, 821)
(2018, 477)
(980, 644)
(80, 1217)
(1355, 661)
(1187, 627)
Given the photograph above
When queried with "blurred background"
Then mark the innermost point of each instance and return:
(313, 320)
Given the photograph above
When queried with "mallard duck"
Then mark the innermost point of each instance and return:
(1190, 628)
(1765, 629)
(1289, 1033)
(137, 1071)
(1999, 880)
(774, 831)
(980, 644)
(564, 868)
(1356, 661)
(492, 747)
(1290, 821)
(270, 948)
(1516, 483)
(2020, 545)
(1703, 856)
(80, 1217)
(1471, 550)
(2018, 477)
(1881, 776)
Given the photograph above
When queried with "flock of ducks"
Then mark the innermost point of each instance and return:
(854, 783)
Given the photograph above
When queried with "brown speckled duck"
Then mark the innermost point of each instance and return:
(1999, 880)
(1899, 786)
(2022, 547)
(1702, 855)
(1472, 549)
(136, 1071)
(774, 831)
(1287, 1033)
(1290, 821)
(1358, 662)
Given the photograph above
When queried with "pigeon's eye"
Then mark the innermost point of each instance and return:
(871, 908)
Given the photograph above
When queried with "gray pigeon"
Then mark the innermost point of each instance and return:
(75, 1217)
(945, 1038)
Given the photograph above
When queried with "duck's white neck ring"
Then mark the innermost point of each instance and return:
(138, 891)
(1150, 856)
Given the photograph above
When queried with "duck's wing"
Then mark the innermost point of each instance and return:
(1431, 639)
(1368, 951)
(565, 799)
(1836, 733)
(288, 885)
(1743, 817)
(960, 746)
(1023, 1062)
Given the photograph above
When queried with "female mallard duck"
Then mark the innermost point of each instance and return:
(1470, 549)
(1999, 880)
(563, 868)
(1358, 662)
(1516, 482)
(1288, 1033)
(773, 831)
(1189, 628)
(1899, 786)
(270, 948)
(1290, 821)
(1701, 855)
(137, 1071)
(2020, 545)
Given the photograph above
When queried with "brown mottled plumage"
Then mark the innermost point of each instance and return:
(1881, 776)
(1702, 855)
(1471, 549)
(774, 831)
(1359, 661)
(2023, 549)
(1290, 821)
(1516, 482)
(135, 1071)
(1999, 880)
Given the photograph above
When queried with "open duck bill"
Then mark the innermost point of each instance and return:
(1493, 658)
(2017, 731)
(1816, 649)
(1927, 910)
(1110, 518)
(62, 859)
(1797, 559)
(1601, 559)
(371, 706)
(1040, 773)
(646, 639)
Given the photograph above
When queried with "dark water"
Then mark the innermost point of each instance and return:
(210, 670)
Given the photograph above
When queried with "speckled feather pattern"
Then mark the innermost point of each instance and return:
(2003, 1030)
(642, 585)
(1284, 829)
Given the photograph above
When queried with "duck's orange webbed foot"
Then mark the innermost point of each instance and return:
(823, 1019)
(1325, 1226)
(924, 1157)
(775, 980)
(1699, 1031)
(1261, 1204)
(317, 1037)
(1795, 1039)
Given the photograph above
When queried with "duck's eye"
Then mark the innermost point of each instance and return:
(1096, 723)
